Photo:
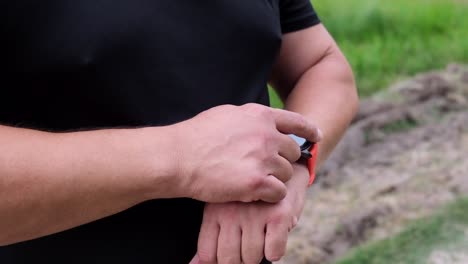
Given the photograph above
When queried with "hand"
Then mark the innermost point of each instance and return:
(238, 233)
(240, 153)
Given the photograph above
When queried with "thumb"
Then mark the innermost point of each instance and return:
(195, 260)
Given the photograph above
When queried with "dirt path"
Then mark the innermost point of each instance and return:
(405, 156)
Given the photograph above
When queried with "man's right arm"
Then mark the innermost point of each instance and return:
(50, 182)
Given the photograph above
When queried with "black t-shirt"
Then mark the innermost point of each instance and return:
(117, 63)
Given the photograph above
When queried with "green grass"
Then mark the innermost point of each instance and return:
(389, 40)
(446, 229)
(402, 125)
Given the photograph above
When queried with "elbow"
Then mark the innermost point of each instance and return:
(345, 76)
(352, 90)
(353, 95)
(350, 93)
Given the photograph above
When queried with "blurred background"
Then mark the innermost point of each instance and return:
(395, 189)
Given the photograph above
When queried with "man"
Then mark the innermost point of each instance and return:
(115, 112)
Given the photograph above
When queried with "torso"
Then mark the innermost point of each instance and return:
(106, 63)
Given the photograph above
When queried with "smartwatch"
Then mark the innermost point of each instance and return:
(309, 151)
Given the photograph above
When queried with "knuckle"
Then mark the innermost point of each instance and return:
(222, 108)
(279, 218)
(258, 110)
(229, 107)
(229, 215)
(252, 107)
(226, 106)
(302, 123)
(264, 111)
(255, 183)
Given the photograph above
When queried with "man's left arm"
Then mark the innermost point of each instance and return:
(314, 79)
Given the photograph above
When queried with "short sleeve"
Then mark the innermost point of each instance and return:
(296, 15)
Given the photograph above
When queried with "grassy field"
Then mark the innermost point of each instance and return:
(443, 231)
(389, 40)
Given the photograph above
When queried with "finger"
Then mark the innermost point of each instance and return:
(208, 241)
(229, 245)
(281, 168)
(272, 190)
(293, 123)
(253, 243)
(195, 260)
(288, 148)
(276, 240)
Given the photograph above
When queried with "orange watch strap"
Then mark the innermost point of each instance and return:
(311, 163)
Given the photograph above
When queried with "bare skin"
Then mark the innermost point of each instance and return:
(314, 79)
(50, 182)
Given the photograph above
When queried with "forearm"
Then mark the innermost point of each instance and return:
(326, 95)
(52, 182)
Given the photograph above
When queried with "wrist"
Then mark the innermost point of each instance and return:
(300, 181)
(158, 150)
(297, 188)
